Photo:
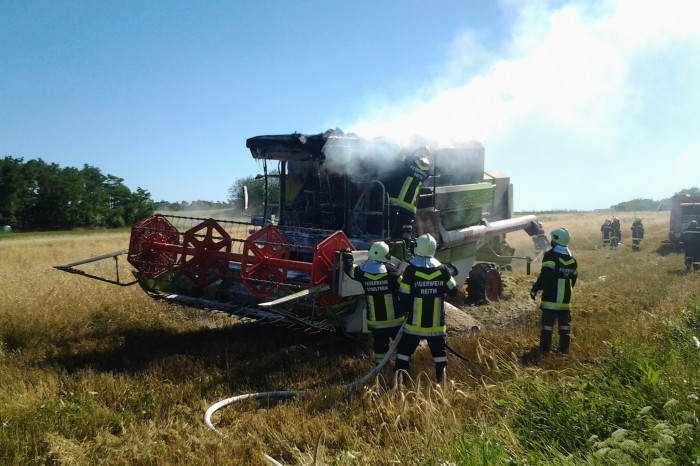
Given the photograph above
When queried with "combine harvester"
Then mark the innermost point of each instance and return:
(284, 269)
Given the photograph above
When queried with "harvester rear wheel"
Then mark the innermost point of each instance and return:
(484, 284)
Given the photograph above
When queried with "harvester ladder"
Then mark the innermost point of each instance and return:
(362, 212)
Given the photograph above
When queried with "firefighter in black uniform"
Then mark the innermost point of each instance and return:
(556, 280)
(616, 234)
(423, 287)
(606, 230)
(691, 246)
(404, 190)
(637, 233)
(380, 280)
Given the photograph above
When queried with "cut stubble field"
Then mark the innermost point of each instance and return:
(93, 373)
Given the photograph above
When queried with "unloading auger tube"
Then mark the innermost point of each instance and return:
(284, 394)
(490, 230)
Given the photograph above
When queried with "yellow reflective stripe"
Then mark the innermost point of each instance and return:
(389, 305)
(427, 331)
(549, 264)
(405, 288)
(451, 283)
(565, 262)
(428, 276)
(436, 314)
(372, 276)
(422, 166)
(404, 189)
(415, 193)
(386, 323)
(561, 289)
(555, 306)
(403, 204)
(371, 308)
(417, 311)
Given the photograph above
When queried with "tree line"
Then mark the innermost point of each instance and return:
(640, 205)
(37, 196)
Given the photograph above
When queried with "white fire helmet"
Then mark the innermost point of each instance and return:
(426, 245)
(421, 152)
(421, 157)
(561, 236)
(379, 252)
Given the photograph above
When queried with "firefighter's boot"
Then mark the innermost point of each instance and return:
(564, 342)
(546, 339)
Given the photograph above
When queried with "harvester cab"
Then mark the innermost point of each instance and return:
(335, 192)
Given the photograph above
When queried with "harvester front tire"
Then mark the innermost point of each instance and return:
(484, 284)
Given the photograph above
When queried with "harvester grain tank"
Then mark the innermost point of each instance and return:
(334, 191)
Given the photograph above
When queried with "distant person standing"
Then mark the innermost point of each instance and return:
(556, 280)
(616, 234)
(637, 233)
(380, 281)
(606, 230)
(690, 238)
(423, 286)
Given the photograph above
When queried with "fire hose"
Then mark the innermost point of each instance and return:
(459, 356)
(284, 394)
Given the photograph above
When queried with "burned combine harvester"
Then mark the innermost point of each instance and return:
(334, 193)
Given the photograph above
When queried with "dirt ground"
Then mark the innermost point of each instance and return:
(514, 310)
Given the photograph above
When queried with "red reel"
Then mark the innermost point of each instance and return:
(323, 266)
(202, 267)
(152, 263)
(260, 277)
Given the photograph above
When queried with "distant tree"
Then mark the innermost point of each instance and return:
(40, 196)
(689, 191)
(194, 205)
(256, 192)
(11, 186)
(94, 203)
(636, 205)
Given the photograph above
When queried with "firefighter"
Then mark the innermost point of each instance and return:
(380, 280)
(637, 233)
(556, 280)
(690, 238)
(606, 230)
(616, 233)
(404, 190)
(423, 286)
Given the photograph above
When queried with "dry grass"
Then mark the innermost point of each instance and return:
(91, 373)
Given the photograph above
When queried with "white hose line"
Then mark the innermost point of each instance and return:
(258, 396)
(272, 461)
(373, 373)
(290, 394)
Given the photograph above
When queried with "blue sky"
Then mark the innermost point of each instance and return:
(583, 104)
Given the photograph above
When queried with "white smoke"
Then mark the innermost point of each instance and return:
(593, 89)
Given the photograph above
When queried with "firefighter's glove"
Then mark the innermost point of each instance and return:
(347, 256)
(533, 295)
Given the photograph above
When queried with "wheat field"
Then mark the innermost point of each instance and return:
(93, 373)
